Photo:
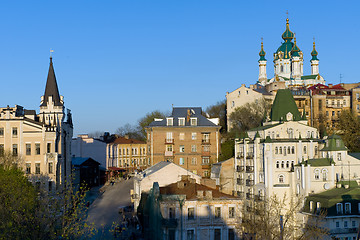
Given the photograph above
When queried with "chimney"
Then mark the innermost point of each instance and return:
(126, 136)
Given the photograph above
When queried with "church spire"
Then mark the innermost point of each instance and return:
(51, 88)
(262, 52)
(314, 61)
(314, 53)
(287, 35)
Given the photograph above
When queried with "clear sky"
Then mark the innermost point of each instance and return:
(115, 61)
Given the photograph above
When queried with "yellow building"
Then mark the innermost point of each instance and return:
(126, 153)
(42, 140)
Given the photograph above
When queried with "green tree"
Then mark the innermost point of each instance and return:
(249, 116)
(147, 119)
(349, 130)
(227, 150)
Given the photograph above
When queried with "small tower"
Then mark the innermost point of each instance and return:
(296, 61)
(262, 64)
(314, 61)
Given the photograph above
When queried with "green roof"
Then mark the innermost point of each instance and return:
(314, 53)
(355, 155)
(264, 127)
(308, 77)
(262, 53)
(319, 162)
(287, 35)
(283, 104)
(328, 199)
(334, 143)
(286, 48)
(257, 135)
(295, 50)
(268, 139)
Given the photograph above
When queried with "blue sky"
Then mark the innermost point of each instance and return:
(115, 61)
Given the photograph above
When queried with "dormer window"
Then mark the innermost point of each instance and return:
(337, 143)
(339, 208)
(347, 208)
(193, 121)
(181, 121)
(169, 121)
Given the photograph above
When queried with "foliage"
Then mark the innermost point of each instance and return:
(248, 116)
(227, 150)
(147, 119)
(218, 110)
(267, 214)
(349, 129)
(130, 131)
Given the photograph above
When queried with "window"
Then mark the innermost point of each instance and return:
(277, 164)
(282, 164)
(190, 235)
(324, 174)
(287, 164)
(217, 234)
(205, 160)
(281, 178)
(337, 224)
(217, 212)
(15, 150)
(50, 185)
(318, 206)
(231, 212)
(311, 206)
(353, 224)
(231, 234)
(304, 149)
(347, 208)
(206, 173)
(339, 208)
(193, 148)
(276, 150)
(169, 122)
(28, 168)
(182, 136)
(206, 137)
(193, 136)
(292, 150)
(181, 161)
(181, 121)
(171, 213)
(14, 132)
(51, 167)
(37, 148)
(339, 156)
(191, 213)
(316, 174)
(37, 168)
(169, 148)
(1, 149)
(48, 147)
(1, 132)
(345, 224)
(171, 233)
(232, 104)
(280, 150)
(193, 121)
(193, 161)
(182, 148)
(206, 148)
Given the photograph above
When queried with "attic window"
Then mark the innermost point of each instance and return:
(169, 121)
(339, 208)
(337, 143)
(181, 121)
(193, 121)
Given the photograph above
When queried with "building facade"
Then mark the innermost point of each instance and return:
(186, 138)
(126, 153)
(43, 140)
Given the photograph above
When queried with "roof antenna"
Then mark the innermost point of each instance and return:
(341, 76)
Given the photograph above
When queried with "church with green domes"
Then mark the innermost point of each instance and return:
(288, 64)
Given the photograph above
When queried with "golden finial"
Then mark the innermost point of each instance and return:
(287, 17)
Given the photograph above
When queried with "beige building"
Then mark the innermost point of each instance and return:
(186, 138)
(43, 140)
(224, 174)
(126, 153)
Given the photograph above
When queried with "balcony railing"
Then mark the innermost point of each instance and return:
(249, 155)
(205, 141)
(334, 106)
(169, 141)
(205, 165)
(249, 169)
(239, 168)
(249, 182)
(240, 181)
(205, 153)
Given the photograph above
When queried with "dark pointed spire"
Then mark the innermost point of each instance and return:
(51, 88)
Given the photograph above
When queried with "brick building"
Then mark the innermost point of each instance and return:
(186, 138)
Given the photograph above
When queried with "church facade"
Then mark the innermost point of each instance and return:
(41, 141)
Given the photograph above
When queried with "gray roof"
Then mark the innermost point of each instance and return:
(155, 168)
(355, 155)
(185, 112)
(261, 89)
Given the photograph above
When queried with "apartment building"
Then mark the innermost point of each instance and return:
(186, 138)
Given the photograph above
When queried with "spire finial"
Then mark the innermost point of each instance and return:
(51, 52)
(287, 16)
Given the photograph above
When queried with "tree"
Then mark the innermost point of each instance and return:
(227, 150)
(218, 110)
(349, 130)
(261, 220)
(249, 116)
(147, 119)
(130, 131)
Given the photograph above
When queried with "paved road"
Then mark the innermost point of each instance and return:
(104, 210)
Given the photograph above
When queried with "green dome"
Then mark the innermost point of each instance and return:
(295, 50)
(314, 53)
(288, 35)
(286, 48)
(262, 53)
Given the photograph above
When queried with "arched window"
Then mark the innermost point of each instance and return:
(277, 164)
(324, 172)
(289, 149)
(276, 150)
(282, 164)
(281, 68)
(304, 149)
(284, 151)
(316, 174)
(293, 150)
(280, 150)
(281, 178)
(287, 164)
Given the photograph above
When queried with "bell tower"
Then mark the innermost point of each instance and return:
(262, 64)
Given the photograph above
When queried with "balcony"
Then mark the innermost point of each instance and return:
(205, 141)
(250, 155)
(249, 169)
(240, 181)
(240, 155)
(239, 168)
(249, 182)
(240, 194)
(205, 166)
(169, 141)
(249, 196)
(334, 106)
(258, 198)
(206, 154)
(169, 153)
